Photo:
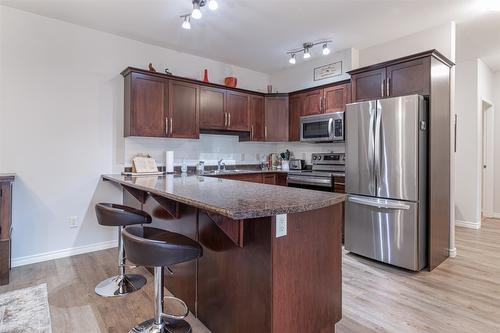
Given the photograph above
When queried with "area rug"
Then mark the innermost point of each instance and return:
(25, 310)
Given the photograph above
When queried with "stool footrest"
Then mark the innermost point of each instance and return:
(177, 317)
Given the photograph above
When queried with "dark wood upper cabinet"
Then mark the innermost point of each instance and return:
(312, 102)
(212, 108)
(146, 104)
(335, 98)
(368, 85)
(183, 110)
(257, 118)
(237, 110)
(407, 78)
(276, 118)
(296, 103)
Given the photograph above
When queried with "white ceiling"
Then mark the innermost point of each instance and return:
(256, 33)
(480, 38)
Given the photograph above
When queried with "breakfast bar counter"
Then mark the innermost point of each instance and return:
(271, 254)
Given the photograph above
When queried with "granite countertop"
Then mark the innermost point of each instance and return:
(231, 198)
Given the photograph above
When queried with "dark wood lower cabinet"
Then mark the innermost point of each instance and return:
(6, 182)
(271, 178)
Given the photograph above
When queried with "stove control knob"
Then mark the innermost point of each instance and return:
(319, 157)
(314, 157)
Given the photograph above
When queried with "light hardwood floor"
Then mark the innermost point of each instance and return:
(462, 295)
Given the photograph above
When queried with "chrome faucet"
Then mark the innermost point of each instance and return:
(221, 166)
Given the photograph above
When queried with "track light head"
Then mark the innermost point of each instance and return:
(292, 59)
(196, 13)
(186, 24)
(213, 5)
(326, 50)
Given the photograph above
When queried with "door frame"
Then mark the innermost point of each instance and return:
(487, 157)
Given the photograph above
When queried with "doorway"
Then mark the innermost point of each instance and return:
(487, 158)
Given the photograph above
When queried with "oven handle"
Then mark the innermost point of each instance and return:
(301, 180)
(379, 203)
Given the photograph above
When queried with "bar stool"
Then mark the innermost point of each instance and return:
(152, 247)
(113, 215)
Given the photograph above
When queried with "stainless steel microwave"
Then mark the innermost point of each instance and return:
(322, 127)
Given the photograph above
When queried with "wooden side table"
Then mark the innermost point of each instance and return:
(6, 182)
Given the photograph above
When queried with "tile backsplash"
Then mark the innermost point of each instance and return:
(211, 148)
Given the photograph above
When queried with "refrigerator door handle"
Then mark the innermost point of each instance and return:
(371, 153)
(379, 203)
(378, 128)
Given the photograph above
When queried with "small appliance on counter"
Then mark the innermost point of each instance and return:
(296, 164)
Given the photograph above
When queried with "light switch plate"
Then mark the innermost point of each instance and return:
(281, 221)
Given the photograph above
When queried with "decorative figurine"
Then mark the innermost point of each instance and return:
(151, 68)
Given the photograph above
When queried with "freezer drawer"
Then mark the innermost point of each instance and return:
(385, 230)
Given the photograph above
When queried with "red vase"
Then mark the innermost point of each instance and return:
(205, 76)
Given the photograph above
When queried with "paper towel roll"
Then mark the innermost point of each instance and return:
(169, 161)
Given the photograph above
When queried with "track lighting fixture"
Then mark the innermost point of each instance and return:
(306, 48)
(196, 12)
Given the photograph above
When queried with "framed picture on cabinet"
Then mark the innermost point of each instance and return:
(326, 71)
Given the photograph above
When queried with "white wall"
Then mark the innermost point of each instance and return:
(474, 85)
(496, 144)
(441, 38)
(467, 191)
(485, 96)
(62, 122)
(301, 75)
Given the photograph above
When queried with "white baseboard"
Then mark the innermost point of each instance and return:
(492, 215)
(468, 224)
(21, 261)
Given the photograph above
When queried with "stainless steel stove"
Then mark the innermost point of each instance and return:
(325, 166)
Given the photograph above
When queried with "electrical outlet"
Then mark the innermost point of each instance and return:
(73, 222)
(281, 221)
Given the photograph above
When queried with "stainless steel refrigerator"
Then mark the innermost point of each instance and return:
(386, 165)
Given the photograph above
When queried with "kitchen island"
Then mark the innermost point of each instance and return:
(271, 254)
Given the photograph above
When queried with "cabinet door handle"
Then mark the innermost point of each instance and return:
(166, 125)
(228, 119)
(265, 132)
(171, 125)
(225, 119)
(388, 86)
(251, 133)
(382, 87)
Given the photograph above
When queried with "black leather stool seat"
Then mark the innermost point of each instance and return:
(152, 247)
(114, 215)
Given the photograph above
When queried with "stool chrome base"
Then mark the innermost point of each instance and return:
(120, 285)
(168, 326)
